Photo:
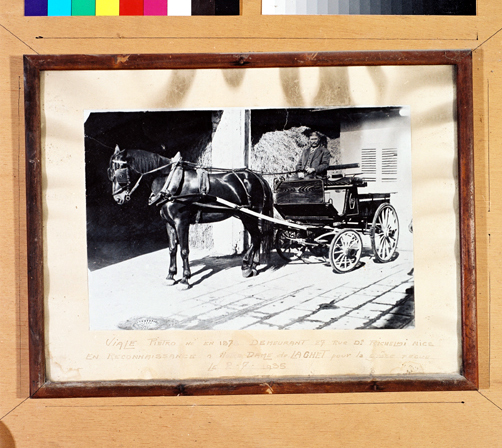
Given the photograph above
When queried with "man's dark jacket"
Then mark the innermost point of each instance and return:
(320, 160)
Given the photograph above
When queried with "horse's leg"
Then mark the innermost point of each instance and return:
(252, 255)
(247, 263)
(173, 249)
(182, 228)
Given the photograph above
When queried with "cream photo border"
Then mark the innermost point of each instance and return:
(433, 347)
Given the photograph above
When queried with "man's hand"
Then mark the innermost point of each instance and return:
(309, 170)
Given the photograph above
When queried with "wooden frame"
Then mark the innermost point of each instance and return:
(42, 387)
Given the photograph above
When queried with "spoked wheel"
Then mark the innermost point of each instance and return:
(345, 251)
(287, 245)
(384, 233)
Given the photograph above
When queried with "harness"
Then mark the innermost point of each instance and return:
(248, 196)
(203, 180)
(119, 172)
(121, 176)
(173, 181)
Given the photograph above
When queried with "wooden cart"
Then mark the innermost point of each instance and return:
(322, 227)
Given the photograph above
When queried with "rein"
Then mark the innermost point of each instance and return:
(230, 170)
(195, 167)
(148, 172)
(136, 185)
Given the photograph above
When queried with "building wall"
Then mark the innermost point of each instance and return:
(229, 150)
(379, 134)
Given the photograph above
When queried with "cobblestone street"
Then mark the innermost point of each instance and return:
(296, 295)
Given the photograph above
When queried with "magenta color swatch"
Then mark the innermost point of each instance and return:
(155, 8)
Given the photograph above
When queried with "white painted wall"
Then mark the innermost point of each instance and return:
(384, 133)
(229, 149)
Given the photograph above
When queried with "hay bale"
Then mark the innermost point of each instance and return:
(279, 151)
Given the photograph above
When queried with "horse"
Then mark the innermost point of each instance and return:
(187, 195)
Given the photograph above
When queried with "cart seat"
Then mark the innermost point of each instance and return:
(346, 182)
(300, 191)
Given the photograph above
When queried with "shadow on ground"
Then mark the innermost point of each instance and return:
(403, 314)
(101, 254)
(212, 265)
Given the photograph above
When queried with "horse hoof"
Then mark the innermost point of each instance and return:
(170, 281)
(246, 273)
(182, 286)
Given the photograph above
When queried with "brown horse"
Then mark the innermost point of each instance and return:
(187, 195)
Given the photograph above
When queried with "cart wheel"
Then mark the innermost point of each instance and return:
(286, 245)
(384, 233)
(345, 251)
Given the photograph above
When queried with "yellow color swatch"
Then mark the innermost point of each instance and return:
(107, 7)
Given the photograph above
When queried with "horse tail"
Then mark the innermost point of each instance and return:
(267, 227)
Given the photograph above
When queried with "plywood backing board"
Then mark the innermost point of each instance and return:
(404, 419)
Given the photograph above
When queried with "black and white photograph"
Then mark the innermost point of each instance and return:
(229, 223)
(250, 219)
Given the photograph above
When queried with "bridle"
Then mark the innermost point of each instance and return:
(118, 173)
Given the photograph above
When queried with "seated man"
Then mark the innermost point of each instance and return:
(314, 160)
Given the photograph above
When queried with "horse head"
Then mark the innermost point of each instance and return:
(119, 173)
(128, 167)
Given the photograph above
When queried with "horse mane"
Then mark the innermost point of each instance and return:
(144, 161)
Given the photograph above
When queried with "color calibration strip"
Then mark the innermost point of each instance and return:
(378, 7)
(131, 7)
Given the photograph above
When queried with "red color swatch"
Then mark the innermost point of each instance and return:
(131, 7)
